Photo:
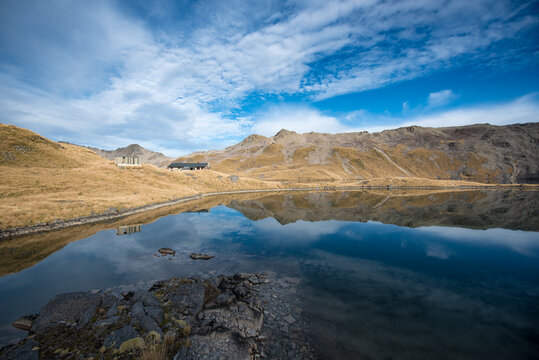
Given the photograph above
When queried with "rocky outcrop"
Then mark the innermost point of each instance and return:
(244, 316)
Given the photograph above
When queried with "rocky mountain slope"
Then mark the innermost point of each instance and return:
(146, 156)
(484, 153)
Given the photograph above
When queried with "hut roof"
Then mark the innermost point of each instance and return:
(182, 165)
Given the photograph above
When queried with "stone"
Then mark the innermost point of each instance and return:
(107, 322)
(108, 300)
(167, 251)
(118, 337)
(25, 322)
(137, 310)
(223, 317)
(215, 344)
(112, 311)
(289, 319)
(196, 256)
(150, 301)
(156, 285)
(187, 298)
(156, 313)
(75, 307)
(148, 324)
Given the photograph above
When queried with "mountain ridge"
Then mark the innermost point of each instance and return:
(479, 152)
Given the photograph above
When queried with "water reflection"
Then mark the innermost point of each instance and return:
(128, 229)
(510, 209)
(372, 287)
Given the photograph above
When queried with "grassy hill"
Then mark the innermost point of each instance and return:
(483, 153)
(41, 180)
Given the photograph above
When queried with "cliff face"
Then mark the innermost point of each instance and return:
(484, 153)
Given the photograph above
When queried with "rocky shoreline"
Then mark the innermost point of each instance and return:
(242, 316)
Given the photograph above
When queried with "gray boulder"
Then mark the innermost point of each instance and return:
(117, 337)
(148, 324)
(107, 322)
(75, 308)
(137, 310)
(188, 298)
(156, 313)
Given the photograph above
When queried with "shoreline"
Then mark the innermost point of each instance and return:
(113, 214)
(242, 315)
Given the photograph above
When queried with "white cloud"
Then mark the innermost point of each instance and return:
(92, 73)
(522, 110)
(299, 119)
(405, 106)
(441, 98)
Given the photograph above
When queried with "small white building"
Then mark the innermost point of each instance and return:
(127, 161)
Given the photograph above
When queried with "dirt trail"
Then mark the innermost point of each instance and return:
(391, 161)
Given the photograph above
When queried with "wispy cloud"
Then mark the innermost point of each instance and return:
(440, 98)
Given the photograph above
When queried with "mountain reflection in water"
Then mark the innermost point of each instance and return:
(385, 274)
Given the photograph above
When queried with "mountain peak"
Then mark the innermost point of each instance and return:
(284, 132)
(132, 147)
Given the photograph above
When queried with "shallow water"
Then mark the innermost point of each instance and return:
(384, 275)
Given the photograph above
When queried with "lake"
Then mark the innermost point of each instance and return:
(384, 274)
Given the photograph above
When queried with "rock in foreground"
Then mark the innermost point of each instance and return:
(244, 316)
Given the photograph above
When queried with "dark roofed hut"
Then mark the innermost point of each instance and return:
(188, 166)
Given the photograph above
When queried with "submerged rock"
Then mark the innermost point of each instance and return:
(167, 251)
(24, 323)
(196, 256)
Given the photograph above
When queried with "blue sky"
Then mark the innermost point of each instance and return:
(182, 76)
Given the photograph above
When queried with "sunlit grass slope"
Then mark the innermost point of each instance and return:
(41, 180)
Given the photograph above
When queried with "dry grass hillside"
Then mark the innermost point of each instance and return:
(482, 153)
(41, 180)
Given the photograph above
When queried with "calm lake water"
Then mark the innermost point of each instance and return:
(384, 274)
